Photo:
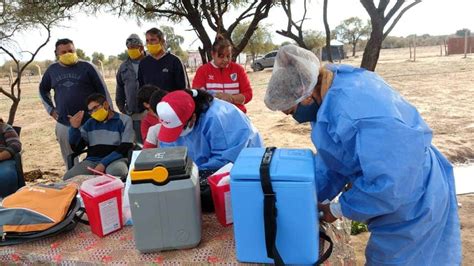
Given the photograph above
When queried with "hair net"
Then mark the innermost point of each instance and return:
(294, 77)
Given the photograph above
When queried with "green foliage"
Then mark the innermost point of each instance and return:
(174, 41)
(260, 43)
(352, 30)
(82, 55)
(123, 56)
(96, 57)
(314, 39)
(357, 228)
(461, 32)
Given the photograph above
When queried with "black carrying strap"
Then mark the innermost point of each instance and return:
(269, 208)
(270, 213)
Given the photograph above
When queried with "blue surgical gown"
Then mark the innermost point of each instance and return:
(402, 186)
(219, 136)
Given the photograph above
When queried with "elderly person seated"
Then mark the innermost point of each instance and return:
(108, 135)
(9, 146)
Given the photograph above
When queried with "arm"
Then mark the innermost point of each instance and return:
(181, 77)
(45, 93)
(246, 93)
(120, 91)
(226, 135)
(199, 80)
(126, 144)
(99, 84)
(151, 140)
(13, 144)
(391, 157)
(76, 140)
(141, 81)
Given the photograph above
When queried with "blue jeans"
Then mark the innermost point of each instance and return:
(8, 178)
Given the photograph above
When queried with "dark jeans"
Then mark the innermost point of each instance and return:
(8, 178)
(138, 132)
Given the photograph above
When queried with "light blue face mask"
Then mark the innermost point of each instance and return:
(186, 130)
(306, 113)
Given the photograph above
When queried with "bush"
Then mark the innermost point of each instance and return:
(357, 228)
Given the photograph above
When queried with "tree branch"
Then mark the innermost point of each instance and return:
(166, 12)
(242, 16)
(382, 6)
(370, 7)
(395, 21)
(392, 11)
(207, 15)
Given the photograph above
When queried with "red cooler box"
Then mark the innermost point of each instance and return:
(102, 198)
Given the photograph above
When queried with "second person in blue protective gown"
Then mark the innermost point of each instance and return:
(214, 131)
(368, 136)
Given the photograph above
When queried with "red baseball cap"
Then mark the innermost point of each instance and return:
(174, 111)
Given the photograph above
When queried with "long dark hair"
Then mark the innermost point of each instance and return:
(202, 101)
(220, 44)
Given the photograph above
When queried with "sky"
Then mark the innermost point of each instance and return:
(106, 33)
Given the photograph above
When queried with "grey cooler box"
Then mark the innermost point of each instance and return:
(165, 200)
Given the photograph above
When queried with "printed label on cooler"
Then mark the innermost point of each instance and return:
(228, 208)
(109, 215)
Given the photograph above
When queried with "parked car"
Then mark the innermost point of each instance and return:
(266, 61)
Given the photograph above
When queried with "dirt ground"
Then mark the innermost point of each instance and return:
(439, 86)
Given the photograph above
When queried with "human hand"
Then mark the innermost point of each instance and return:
(55, 115)
(76, 120)
(326, 213)
(100, 167)
(224, 96)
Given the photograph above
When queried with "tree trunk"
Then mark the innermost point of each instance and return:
(328, 31)
(354, 45)
(372, 49)
(12, 113)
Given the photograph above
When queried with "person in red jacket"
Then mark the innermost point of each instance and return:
(223, 78)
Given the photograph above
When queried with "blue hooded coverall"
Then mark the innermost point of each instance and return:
(402, 186)
(219, 136)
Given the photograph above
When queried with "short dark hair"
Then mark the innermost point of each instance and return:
(96, 97)
(146, 91)
(156, 98)
(62, 42)
(157, 32)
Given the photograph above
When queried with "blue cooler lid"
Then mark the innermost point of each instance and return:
(286, 165)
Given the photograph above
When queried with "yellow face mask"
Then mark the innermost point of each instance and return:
(154, 49)
(134, 53)
(68, 59)
(100, 115)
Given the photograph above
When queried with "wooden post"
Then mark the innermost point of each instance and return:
(101, 68)
(11, 73)
(440, 49)
(409, 45)
(414, 49)
(445, 48)
(465, 43)
(39, 71)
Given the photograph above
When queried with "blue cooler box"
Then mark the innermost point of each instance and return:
(293, 181)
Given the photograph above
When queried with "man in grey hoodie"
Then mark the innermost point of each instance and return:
(127, 83)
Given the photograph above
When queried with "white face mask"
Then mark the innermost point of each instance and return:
(186, 131)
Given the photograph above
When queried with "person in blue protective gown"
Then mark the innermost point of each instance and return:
(368, 136)
(213, 130)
